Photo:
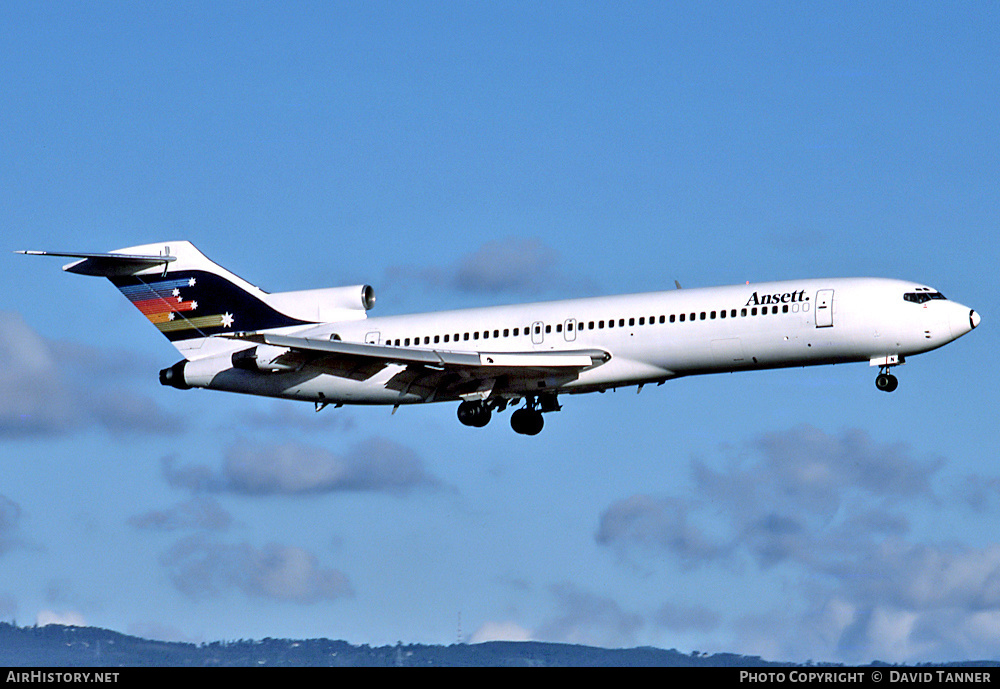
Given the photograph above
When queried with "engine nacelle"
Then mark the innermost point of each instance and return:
(262, 359)
(325, 305)
(174, 376)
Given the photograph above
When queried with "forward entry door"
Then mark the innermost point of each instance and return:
(824, 308)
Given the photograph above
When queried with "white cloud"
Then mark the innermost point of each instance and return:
(509, 266)
(67, 618)
(52, 388)
(658, 524)
(198, 513)
(827, 518)
(10, 516)
(200, 568)
(32, 399)
(500, 631)
(294, 468)
(586, 618)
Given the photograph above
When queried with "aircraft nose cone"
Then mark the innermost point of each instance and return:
(973, 318)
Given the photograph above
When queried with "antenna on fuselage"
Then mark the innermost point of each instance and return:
(678, 284)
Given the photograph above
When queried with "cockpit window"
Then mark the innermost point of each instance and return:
(922, 296)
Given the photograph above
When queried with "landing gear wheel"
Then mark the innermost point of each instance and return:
(886, 382)
(527, 421)
(476, 414)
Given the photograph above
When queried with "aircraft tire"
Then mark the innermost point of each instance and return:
(475, 414)
(527, 422)
(886, 382)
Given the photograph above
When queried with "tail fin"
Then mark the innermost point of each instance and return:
(184, 294)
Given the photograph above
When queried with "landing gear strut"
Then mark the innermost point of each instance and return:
(885, 381)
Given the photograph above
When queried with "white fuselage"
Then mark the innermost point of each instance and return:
(651, 337)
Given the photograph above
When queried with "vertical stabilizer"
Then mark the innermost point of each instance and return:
(182, 293)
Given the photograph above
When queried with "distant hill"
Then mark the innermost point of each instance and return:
(59, 646)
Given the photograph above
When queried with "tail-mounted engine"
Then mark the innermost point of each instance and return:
(174, 376)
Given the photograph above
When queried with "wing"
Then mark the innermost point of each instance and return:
(434, 373)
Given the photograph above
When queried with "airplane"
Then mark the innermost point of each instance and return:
(320, 345)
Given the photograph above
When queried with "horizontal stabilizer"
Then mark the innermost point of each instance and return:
(105, 265)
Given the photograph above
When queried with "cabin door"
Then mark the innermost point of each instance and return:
(537, 334)
(569, 329)
(824, 308)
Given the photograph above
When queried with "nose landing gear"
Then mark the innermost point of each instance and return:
(885, 381)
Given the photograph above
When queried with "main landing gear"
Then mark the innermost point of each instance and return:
(526, 421)
(474, 413)
(885, 381)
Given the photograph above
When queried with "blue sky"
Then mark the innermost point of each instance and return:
(462, 154)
